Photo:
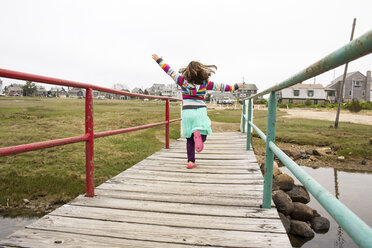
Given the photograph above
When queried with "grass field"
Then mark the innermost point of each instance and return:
(56, 175)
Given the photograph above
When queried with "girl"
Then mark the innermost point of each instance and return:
(194, 84)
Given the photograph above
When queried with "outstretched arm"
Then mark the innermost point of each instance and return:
(176, 77)
(222, 87)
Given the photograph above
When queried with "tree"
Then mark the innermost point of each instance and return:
(29, 89)
(146, 92)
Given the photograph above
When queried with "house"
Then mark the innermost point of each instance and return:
(15, 90)
(137, 91)
(76, 93)
(356, 87)
(156, 89)
(217, 97)
(58, 92)
(299, 93)
(40, 91)
(1, 87)
(172, 90)
(246, 91)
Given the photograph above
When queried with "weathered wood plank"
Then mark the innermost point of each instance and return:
(227, 200)
(167, 219)
(178, 208)
(49, 239)
(178, 235)
(203, 156)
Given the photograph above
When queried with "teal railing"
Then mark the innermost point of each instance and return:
(359, 231)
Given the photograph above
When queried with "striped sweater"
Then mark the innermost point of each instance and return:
(193, 95)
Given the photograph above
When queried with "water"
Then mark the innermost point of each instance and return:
(10, 225)
(353, 189)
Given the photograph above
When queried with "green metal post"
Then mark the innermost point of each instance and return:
(269, 157)
(243, 117)
(249, 125)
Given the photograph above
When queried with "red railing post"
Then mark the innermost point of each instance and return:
(167, 124)
(89, 145)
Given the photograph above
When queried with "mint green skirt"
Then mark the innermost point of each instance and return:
(195, 120)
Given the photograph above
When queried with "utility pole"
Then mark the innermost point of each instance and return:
(343, 81)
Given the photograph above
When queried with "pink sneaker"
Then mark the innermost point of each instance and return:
(189, 166)
(198, 141)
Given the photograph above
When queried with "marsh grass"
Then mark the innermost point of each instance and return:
(58, 174)
(349, 140)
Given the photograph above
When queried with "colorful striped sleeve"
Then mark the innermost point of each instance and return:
(221, 87)
(176, 77)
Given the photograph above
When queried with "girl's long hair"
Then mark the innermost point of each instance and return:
(197, 73)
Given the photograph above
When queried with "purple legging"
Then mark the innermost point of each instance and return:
(191, 147)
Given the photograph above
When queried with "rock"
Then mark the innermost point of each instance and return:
(315, 213)
(322, 151)
(288, 153)
(284, 181)
(299, 194)
(286, 222)
(283, 202)
(370, 141)
(301, 228)
(341, 158)
(296, 154)
(276, 170)
(301, 212)
(309, 152)
(364, 162)
(313, 158)
(26, 201)
(320, 224)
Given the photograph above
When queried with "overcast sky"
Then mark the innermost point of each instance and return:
(108, 42)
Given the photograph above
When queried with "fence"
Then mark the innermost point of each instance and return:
(359, 231)
(89, 136)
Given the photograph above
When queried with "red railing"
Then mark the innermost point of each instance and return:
(89, 133)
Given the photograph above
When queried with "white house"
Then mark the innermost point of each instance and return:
(299, 93)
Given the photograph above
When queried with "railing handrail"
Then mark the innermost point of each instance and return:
(89, 133)
(56, 81)
(358, 230)
(351, 51)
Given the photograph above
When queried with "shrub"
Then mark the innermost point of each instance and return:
(260, 101)
(355, 106)
(308, 102)
(367, 105)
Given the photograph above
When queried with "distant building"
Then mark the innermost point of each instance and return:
(40, 91)
(76, 92)
(15, 90)
(172, 90)
(299, 93)
(58, 92)
(246, 91)
(218, 97)
(1, 87)
(137, 91)
(156, 89)
(357, 86)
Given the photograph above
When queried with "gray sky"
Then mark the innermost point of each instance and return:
(108, 42)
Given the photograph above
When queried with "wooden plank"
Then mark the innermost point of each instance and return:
(228, 164)
(50, 239)
(203, 156)
(228, 200)
(210, 186)
(199, 169)
(178, 208)
(167, 219)
(191, 188)
(178, 235)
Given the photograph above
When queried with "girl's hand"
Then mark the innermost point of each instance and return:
(155, 57)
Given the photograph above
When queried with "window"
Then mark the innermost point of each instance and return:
(349, 92)
(290, 100)
(296, 92)
(315, 101)
(357, 83)
(331, 93)
(310, 93)
(363, 93)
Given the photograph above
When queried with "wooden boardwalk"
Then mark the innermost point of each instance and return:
(160, 203)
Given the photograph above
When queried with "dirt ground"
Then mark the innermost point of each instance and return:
(330, 115)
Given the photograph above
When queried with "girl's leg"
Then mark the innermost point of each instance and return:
(190, 149)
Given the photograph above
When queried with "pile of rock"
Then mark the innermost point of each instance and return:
(290, 200)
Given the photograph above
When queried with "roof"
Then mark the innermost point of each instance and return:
(249, 87)
(15, 87)
(337, 79)
(306, 86)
